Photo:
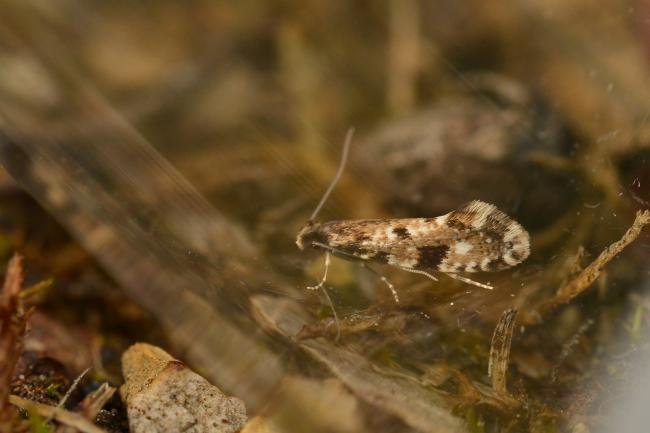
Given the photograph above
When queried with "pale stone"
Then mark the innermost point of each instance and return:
(163, 395)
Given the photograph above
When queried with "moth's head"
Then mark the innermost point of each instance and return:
(310, 233)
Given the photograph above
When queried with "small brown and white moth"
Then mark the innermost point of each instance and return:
(475, 237)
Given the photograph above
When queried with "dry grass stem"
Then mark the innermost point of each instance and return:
(12, 328)
(63, 416)
(404, 55)
(72, 387)
(95, 401)
(500, 350)
(568, 347)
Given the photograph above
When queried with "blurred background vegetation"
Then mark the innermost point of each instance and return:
(538, 106)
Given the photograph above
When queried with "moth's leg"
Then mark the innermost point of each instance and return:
(418, 271)
(335, 250)
(322, 281)
(321, 285)
(364, 264)
(468, 281)
(452, 275)
(384, 279)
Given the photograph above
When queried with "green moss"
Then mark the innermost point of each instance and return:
(53, 390)
(37, 424)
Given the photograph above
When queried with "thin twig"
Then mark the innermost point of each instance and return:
(584, 279)
(576, 284)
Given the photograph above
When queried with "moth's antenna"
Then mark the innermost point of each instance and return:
(344, 160)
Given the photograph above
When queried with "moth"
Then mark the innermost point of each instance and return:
(475, 237)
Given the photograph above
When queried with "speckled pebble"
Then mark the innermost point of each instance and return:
(164, 395)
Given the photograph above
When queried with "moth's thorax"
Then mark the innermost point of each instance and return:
(310, 234)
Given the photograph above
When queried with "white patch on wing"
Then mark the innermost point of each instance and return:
(421, 227)
(461, 248)
(442, 220)
(390, 235)
(414, 229)
(507, 257)
(424, 230)
(484, 263)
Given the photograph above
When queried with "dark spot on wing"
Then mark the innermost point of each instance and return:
(457, 223)
(497, 265)
(497, 221)
(494, 235)
(381, 256)
(432, 256)
(402, 232)
(515, 255)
